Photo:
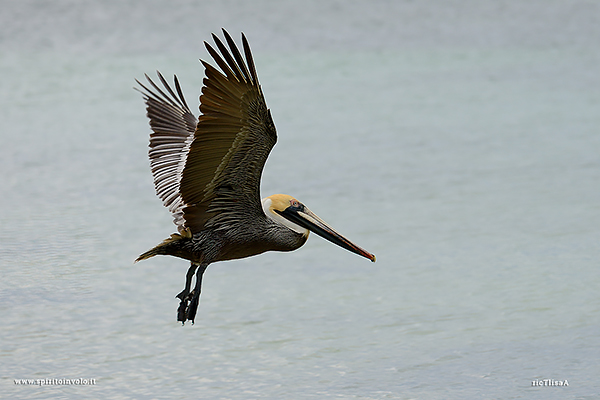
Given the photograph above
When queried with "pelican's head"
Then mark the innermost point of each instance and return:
(289, 212)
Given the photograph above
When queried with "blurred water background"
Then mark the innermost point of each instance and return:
(457, 140)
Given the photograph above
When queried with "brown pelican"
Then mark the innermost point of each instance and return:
(207, 172)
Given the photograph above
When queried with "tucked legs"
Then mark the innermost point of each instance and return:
(190, 300)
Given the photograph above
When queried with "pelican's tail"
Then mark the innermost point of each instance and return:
(165, 247)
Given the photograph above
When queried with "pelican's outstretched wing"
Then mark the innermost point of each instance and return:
(219, 183)
(234, 136)
(173, 126)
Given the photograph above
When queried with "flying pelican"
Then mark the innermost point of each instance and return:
(207, 172)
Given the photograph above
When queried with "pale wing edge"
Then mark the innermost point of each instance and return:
(173, 126)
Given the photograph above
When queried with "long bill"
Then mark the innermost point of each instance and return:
(309, 220)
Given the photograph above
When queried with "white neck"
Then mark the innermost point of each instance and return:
(266, 205)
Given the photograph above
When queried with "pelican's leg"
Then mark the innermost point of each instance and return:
(188, 281)
(191, 311)
(184, 296)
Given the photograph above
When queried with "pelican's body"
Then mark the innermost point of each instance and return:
(207, 172)
(254, 237)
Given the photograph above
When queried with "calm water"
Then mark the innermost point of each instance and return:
(458, 142)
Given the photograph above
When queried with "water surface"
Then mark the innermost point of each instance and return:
(457, 142)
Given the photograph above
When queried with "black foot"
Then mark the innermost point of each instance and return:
(183, 309)
(193, 308)
(181, 312)
(189, 300)
(187, 307)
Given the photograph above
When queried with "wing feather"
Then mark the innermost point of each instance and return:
(173, 126)
(234, 136)
(207, 171)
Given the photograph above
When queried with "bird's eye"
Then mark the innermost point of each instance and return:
(294, 203)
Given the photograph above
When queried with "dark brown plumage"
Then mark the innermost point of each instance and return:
(207, 171)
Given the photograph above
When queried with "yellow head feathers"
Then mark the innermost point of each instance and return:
(280, 202)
